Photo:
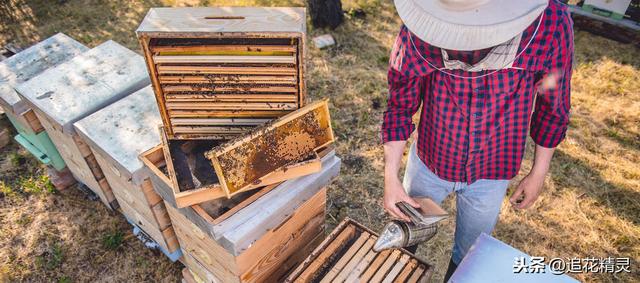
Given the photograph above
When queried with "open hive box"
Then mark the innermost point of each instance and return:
(346, 255)
(203, 170)
(211, 215)
(220, 71)
(65, 94)
(257, 235)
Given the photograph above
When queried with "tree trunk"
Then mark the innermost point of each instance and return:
(325, 13)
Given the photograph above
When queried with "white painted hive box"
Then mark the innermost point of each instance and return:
(618, 6)
(88, 82)
(29, 63)
(123, 130)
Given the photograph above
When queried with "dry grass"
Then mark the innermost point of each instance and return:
(62, 236)
(589, 208)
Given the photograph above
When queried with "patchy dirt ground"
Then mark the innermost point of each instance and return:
(589, 208)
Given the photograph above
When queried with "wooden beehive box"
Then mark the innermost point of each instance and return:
(219, 71)
(117, 134)
(254, 236)
(65, 94)
(22, 67)
(282, 150)
(346, 255)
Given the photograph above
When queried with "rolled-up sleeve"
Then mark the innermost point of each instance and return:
(405, 88)
(550, 118)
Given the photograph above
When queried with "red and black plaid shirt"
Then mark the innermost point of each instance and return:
(473, 129)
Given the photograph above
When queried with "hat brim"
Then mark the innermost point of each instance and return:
(463, 36)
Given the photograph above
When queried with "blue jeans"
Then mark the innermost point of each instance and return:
(478, 204)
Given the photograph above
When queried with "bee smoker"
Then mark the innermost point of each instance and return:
(400, 234)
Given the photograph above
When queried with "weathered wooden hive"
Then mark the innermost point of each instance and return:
(257, 235)
(65, 94)
(117, 135)
(346, 255)
(22, 67)
(219, 71)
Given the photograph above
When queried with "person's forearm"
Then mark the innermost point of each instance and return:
(542, 160)
(531, 186)
(393, 151)
(393, 190)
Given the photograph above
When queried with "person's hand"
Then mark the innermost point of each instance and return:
(394, 193)
(528, 191)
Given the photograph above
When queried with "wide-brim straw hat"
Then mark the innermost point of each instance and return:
(468, 24)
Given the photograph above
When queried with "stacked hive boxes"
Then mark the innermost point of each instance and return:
(62, 95)
(117, 134)
(252, 208)
(217, 73)
(256, 236)
(21, 68)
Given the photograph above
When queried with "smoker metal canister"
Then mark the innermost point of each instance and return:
(398, 234)
(419, 233)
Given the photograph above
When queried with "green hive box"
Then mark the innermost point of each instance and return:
(21, 68)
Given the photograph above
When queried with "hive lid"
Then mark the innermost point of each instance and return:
(489, 258)
(32, 61)
(88, 82)
(223, 19)
(124, 129)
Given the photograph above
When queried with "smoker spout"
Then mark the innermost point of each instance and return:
(392, 236)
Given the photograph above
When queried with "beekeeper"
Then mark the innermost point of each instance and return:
(482, 74)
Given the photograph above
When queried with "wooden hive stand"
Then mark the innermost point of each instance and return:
(117, 134)
(65, 94)
(21, 68)
(256, 236)
(220, 71)
(346, 255)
